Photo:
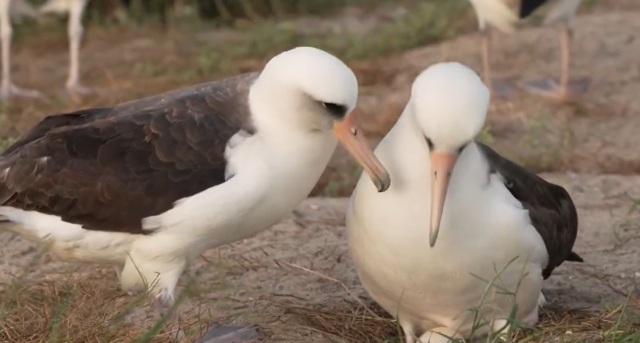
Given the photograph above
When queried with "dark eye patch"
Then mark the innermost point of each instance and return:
(462, 148)
(335, 110)
(429, 143)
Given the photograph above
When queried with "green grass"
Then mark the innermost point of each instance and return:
(426, 23)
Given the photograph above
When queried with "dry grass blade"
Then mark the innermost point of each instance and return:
(342, 284)
(562, 325)
(345, 321)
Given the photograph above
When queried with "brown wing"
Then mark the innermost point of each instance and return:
(107, 168)
(550, 207)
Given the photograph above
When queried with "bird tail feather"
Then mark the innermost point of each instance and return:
(68, 241)
(573, 257)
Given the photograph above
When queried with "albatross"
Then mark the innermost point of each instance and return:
(150, 184)
(75, 9)
(498, 14)
(457, 213)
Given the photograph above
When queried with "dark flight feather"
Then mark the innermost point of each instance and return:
(550, 207)
(527, 7)
(107, 168)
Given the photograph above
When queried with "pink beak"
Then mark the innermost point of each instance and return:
(442, 164)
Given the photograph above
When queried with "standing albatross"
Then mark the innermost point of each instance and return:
(498, 14)
(150, 184)
(497, 217)
(75, 9)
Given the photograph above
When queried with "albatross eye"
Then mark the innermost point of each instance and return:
(429, 143)
(335, 110)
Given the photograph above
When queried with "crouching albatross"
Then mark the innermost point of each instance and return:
(150, 184)
(498, 218)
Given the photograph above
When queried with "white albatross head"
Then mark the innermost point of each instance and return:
(313, 90)
(450, 103)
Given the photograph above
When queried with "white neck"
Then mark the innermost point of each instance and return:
(273, 171)
(296, 155)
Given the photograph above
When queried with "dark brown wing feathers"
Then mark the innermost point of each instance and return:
(550, 207)
(107, 168)
(527, 7)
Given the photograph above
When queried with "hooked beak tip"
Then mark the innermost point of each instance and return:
(433, 236)
(383, 182)
(349, 135)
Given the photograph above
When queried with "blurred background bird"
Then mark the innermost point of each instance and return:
(20, 8)
(504, 15)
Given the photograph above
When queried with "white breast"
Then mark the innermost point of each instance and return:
(483, 229)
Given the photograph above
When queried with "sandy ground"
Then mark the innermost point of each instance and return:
(277, 277)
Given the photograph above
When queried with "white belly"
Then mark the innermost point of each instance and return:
(443, 286)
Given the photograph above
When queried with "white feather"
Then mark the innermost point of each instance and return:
(68, 241)
(495, 13)
(61, 6)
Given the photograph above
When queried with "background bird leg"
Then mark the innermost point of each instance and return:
(564, 88)
(486, 57)
(7, 88)
(497, 88)
(566, 35)
(75, 31)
